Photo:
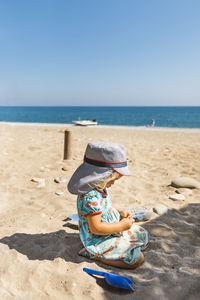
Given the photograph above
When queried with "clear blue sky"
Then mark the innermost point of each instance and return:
(99, 52)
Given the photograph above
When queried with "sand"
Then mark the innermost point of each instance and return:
(39, 248)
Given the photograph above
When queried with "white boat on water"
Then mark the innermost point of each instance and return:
(85, 122)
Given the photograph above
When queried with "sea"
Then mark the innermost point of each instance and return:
(169, 116)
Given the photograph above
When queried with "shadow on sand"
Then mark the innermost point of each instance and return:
(172, 261)
(45, 246)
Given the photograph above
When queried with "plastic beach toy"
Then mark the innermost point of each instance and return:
(143, 213)
(113, 279)
(73, 217)
(138, 217)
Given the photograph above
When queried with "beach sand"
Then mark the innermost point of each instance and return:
(39, 248)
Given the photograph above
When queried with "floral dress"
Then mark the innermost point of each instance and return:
(125, 246)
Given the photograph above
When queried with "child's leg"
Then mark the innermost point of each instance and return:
(121, 264)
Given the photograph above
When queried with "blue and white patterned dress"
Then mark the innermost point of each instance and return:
(124, 246)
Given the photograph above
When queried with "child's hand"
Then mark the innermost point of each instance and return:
(126, 223)
(125, 214)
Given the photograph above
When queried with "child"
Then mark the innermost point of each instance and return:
(108, 234)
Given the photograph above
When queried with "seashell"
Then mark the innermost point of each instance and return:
(176, 197)
(65, 168)
(60, 179)
(59, 193)
(38, 180)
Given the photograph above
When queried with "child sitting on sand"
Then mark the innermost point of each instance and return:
(108, 234)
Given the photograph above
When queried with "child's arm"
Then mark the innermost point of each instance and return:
(103, 228)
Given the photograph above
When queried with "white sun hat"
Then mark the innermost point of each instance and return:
(100, 160)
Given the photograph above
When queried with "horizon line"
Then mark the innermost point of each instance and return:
(99, 105)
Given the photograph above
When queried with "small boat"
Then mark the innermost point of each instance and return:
(85, 122)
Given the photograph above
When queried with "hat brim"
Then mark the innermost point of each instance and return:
(122, 171)
(86, 177)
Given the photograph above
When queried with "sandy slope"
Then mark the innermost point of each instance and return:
(38, 249)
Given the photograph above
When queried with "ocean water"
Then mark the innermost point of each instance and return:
(175, 117)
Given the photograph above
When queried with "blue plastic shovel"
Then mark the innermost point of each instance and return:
(74, 217)
(113, 279)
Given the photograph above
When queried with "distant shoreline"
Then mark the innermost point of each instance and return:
(164, 117)
(155, 128)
